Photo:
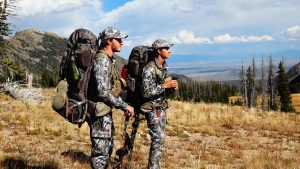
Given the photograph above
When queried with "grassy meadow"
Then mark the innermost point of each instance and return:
(296, 101)
(198, 136)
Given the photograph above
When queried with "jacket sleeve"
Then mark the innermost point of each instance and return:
(103, 76)
(150, 88)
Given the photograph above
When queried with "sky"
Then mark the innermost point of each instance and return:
(206, 33)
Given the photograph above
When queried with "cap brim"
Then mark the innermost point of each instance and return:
(122, 36)
(170, 44)
(167, 45)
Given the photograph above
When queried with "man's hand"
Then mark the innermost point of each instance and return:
(170, 84)
(176, 88)
(130, 110)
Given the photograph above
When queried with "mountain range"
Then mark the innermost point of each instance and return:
(35, 51)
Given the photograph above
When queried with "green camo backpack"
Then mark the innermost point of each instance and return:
(70, 100)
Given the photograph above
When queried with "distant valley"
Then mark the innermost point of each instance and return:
(36, 52)
(206, 74)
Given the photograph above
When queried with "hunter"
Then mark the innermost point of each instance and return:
(155, 83)
(103, 79)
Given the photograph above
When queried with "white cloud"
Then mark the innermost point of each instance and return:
(187, 37)
(186, 6)
(293, 32)
(127, 42)
(181, 21)
(59, 16)
(165, 18)
(30, 7)
(227, 38)
(148, 41)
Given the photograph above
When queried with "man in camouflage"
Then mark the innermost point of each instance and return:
(155, 83)
(101, 92)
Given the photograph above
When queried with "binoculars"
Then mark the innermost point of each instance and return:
(170, 90)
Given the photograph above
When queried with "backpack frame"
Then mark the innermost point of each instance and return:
(139, 57)
(75, 70)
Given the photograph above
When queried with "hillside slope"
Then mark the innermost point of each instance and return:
(38, 51)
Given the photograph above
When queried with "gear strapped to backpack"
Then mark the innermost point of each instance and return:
(139, 57)
(70, 100)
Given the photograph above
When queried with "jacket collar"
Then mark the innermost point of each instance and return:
(112, 58)
(159, 66)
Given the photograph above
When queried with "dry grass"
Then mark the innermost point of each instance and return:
(296, 101)
(233, 99)
(198, 136)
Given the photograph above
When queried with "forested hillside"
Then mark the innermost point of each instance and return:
(36, 52)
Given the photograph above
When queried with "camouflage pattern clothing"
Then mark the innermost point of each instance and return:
(111, 32)
(161, 43)
(102, 127)
(154, 92)
(102, 82)
(101, 134)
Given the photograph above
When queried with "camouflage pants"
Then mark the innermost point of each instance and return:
(101, 134)
(156, 121)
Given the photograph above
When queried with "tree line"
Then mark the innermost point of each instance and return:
(209, 92)
(273, 89)
(8, 66)
(11, 67)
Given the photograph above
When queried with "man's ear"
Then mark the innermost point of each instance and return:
(158, 51)
(109, 41)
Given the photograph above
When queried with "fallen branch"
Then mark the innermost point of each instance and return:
(18, 91)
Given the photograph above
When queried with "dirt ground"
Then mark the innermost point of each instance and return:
(198, 136)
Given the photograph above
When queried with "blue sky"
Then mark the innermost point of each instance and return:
(210, 33)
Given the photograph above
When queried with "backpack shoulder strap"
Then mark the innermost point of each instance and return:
(158, 73)
(114, 72)
(112, 67)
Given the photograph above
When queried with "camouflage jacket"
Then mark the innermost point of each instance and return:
(153, 77)
(101, 82)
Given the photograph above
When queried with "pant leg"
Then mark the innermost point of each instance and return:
(101, 134)
(156, 122)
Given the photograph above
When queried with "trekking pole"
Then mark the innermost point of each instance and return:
(135, 126)
(121, 152)
(130, 144)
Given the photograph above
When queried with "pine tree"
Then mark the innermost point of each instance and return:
(6, 11)
(198, 93)
(283, 89)
(263, 86)
(207, 92)
(271, 86)
(253, 87)
(250, 84)
(243, 84)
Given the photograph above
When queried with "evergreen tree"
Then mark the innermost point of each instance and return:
(243, 84)
(253, 86)
(263, 87)
(198, 93)
(6, 10)
(283, 89)
(250, 84)
(47, 79)
(208, 92)
(271, 86)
